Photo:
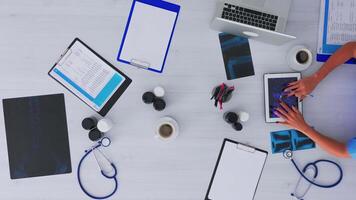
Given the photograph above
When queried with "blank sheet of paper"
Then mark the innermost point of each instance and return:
(237, 174)
(148, 35)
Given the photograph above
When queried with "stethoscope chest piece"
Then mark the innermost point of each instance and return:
(105, 142)
(288, 154)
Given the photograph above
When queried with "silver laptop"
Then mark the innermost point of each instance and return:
(263, 20)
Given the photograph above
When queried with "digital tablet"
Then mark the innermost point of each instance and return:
(90, 77)
(274, 85)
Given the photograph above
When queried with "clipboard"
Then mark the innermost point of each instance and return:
(325, 49)
(237, 172)
(148, 34)
(82, 71)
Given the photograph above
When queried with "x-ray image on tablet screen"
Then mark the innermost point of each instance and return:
(274, 92)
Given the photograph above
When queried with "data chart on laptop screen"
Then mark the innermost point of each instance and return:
(87, 76)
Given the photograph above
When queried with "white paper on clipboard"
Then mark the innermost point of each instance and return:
(238, 173)
(148, 36)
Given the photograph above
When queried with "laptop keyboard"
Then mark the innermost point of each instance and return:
(249, 17)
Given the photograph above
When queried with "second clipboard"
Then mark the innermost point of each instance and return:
(237, 172)
(148, 34)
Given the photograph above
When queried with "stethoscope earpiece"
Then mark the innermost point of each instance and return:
(292, 194)
(288, 154)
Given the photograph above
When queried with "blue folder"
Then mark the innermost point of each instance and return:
(139, 49)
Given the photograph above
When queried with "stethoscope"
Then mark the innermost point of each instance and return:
(311, 167)
(104, 142)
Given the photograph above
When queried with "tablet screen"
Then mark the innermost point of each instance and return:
(275, 88)
(88, 76)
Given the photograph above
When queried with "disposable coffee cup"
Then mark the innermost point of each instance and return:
(166, 129)
(299, 58)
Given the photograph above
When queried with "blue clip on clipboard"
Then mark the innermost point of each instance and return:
(148, 34)
(325, 50)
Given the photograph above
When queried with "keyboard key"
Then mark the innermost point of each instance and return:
(253, 11)
(248, 16)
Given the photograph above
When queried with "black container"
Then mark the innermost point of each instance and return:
(95, 134)
(148, 97)
(237, 126)
(231, 117)
(89, 123)
(159, 104)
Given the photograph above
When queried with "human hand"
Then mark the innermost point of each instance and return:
(291, 117)
(302, 88)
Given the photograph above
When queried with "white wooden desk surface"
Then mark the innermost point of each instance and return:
(34, 33)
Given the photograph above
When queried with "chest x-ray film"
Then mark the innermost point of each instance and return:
(37, 136)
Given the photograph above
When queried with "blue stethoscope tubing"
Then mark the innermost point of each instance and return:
(87, 152)
(314, 165)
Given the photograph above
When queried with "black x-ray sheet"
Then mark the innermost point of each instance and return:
(37, 136)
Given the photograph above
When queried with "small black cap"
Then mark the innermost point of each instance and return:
(237, 126)
(95, 134)
(88, 123)
(159, 104)
(148, 97)
(230, 117)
